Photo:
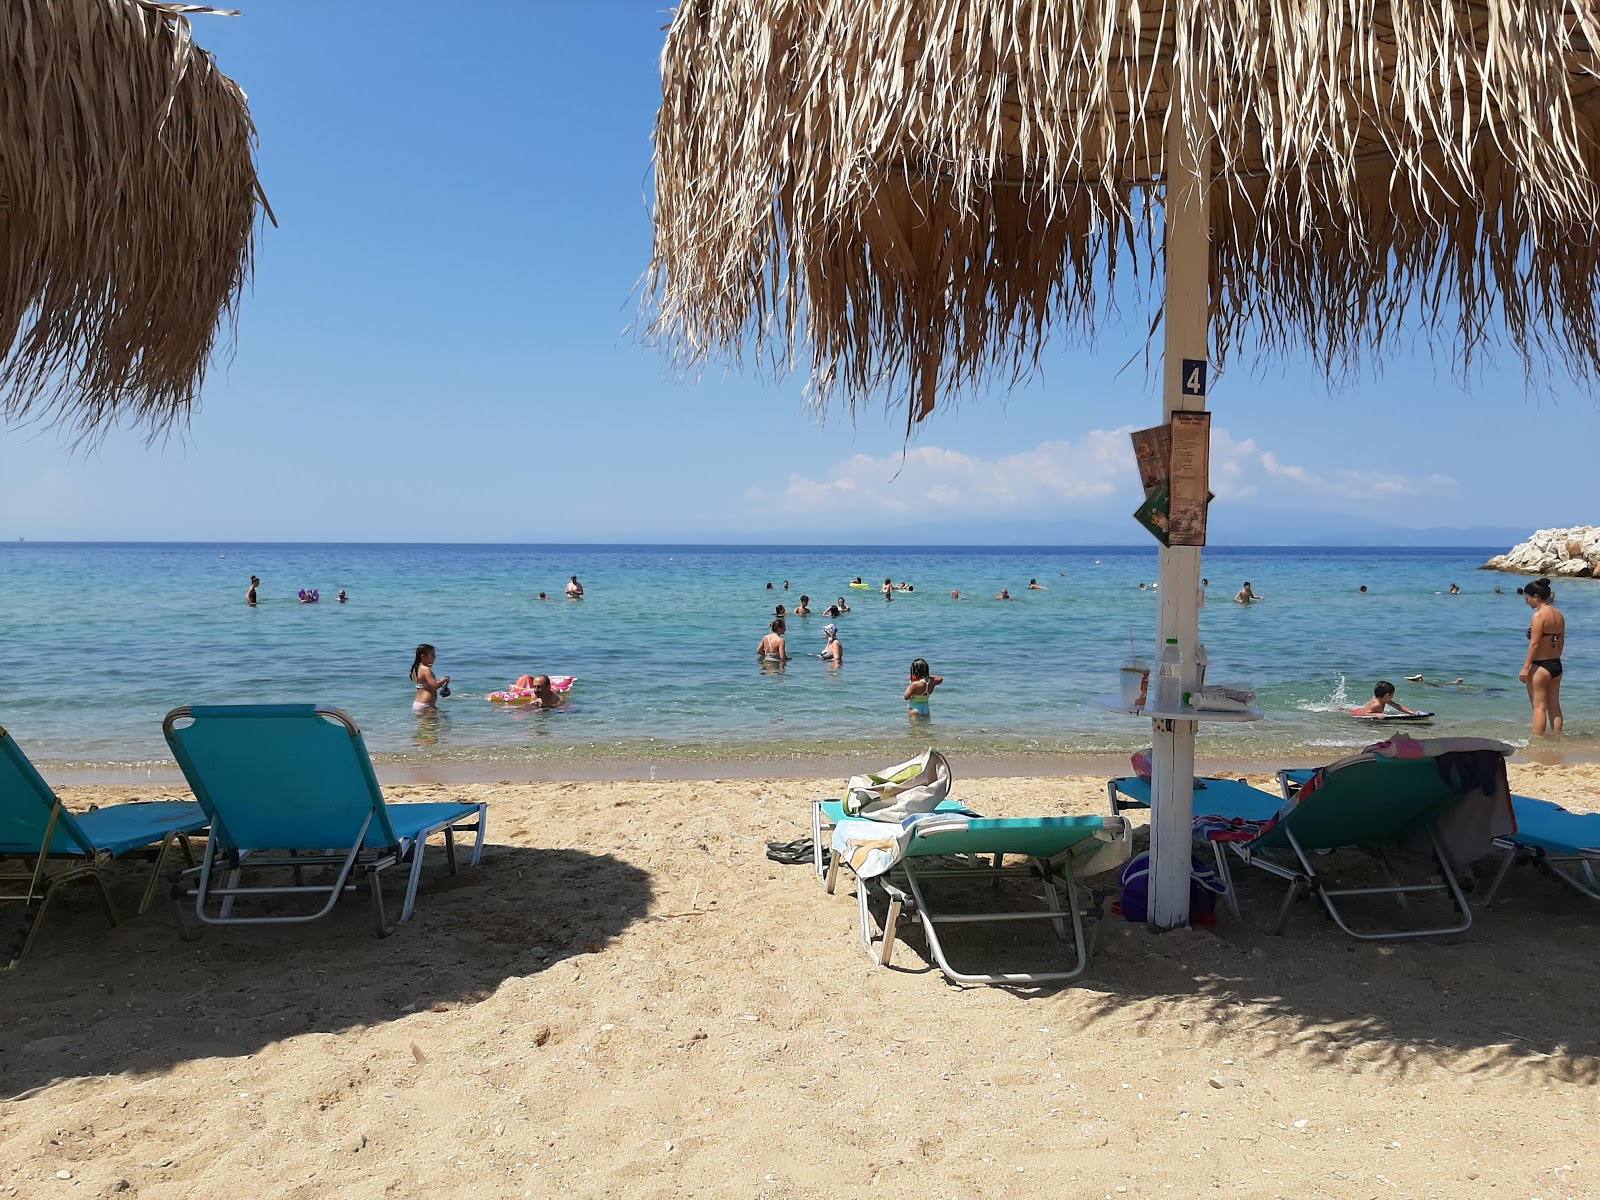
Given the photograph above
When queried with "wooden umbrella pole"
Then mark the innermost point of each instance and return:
(1188, 255)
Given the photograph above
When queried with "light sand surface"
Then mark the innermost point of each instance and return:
(628, 999)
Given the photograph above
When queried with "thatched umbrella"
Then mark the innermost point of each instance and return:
(128, 201)
(908, 195)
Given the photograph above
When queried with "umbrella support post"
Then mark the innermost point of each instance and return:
(1187, 206)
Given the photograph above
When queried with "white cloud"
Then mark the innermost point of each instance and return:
(1054, 478)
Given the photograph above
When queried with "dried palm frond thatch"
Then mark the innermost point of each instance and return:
(128, 196)
(911, 193)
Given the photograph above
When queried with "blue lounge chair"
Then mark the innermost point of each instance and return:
(35, 825)
(946, 846)
(1553, 837)
(1226, 800)
(292, 786)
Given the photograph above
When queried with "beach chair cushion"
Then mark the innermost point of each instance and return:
(1545, 825)
(1229, 799)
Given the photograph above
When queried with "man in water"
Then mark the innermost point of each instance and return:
(575, 589)
(250, 592)
(803, 609)
(1382, 698)
(1246, 595)
(1005, 594)
(343, 599)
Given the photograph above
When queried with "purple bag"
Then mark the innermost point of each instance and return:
(1204, 888)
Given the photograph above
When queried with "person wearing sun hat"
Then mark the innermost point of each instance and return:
(833, 652)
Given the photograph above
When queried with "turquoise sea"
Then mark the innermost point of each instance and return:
(99, 641)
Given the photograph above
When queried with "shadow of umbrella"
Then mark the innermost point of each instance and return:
(164, 1001)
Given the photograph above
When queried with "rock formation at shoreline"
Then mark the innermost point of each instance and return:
(1559, 553)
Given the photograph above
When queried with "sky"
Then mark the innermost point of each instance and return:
(440, 345)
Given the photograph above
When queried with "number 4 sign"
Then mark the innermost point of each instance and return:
(1194, 377)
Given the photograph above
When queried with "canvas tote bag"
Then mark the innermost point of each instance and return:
(918, 785)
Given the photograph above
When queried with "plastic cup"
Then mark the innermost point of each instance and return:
(1135, 683)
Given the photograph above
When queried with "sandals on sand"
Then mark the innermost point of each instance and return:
(791, 854)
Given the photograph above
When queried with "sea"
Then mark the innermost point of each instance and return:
(99, 641)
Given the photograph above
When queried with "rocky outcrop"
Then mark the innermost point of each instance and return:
(1559, 553)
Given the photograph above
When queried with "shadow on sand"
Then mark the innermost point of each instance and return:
(1519, 991)
(90, 1000)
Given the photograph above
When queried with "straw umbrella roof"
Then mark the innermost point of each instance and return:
(128, 201)
(905, 196)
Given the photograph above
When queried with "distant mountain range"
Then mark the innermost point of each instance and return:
(1235, 527)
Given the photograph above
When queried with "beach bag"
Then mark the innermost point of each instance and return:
(1204, 888)
(918, 785)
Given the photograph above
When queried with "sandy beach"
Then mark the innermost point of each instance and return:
(629, 999)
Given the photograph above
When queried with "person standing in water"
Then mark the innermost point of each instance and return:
(833, 652)
(888, 589)
(1246, 595)
(1541, 669)
(920, 689)
(250, 592)
(772, 647)
(574, 589)
(429, 686)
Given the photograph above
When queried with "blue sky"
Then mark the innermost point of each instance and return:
(437, 347)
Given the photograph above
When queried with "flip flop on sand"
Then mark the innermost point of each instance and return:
(791, 854)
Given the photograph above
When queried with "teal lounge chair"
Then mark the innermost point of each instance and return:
(1552, 837)
(291, 786)
(825, 814)
(35, 825)
(1377, 803)
(902, 857)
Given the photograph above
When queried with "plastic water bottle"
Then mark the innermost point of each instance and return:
(1169, 678)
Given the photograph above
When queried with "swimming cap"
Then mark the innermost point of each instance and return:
(830, 630)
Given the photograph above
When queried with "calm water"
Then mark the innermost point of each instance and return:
(99, 641)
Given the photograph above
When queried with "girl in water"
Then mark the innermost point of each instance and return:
(918, 691)
(429, 686)
(1541, 670)
(772, 647)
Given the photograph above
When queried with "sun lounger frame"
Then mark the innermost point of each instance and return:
(904, 888)
(1552, 858)
(35, 887)
(360, 862)
(1302, 874)
(1309, 879)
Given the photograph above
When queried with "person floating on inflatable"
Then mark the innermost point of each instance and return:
(536, 691)
(310, 597)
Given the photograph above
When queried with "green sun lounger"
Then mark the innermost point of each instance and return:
(69, 847)
(1377, 803)
(1565, 842)
(902, 857)
(825, 814)
(291, 787)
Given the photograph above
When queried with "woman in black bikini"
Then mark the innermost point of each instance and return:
(1541, 671)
